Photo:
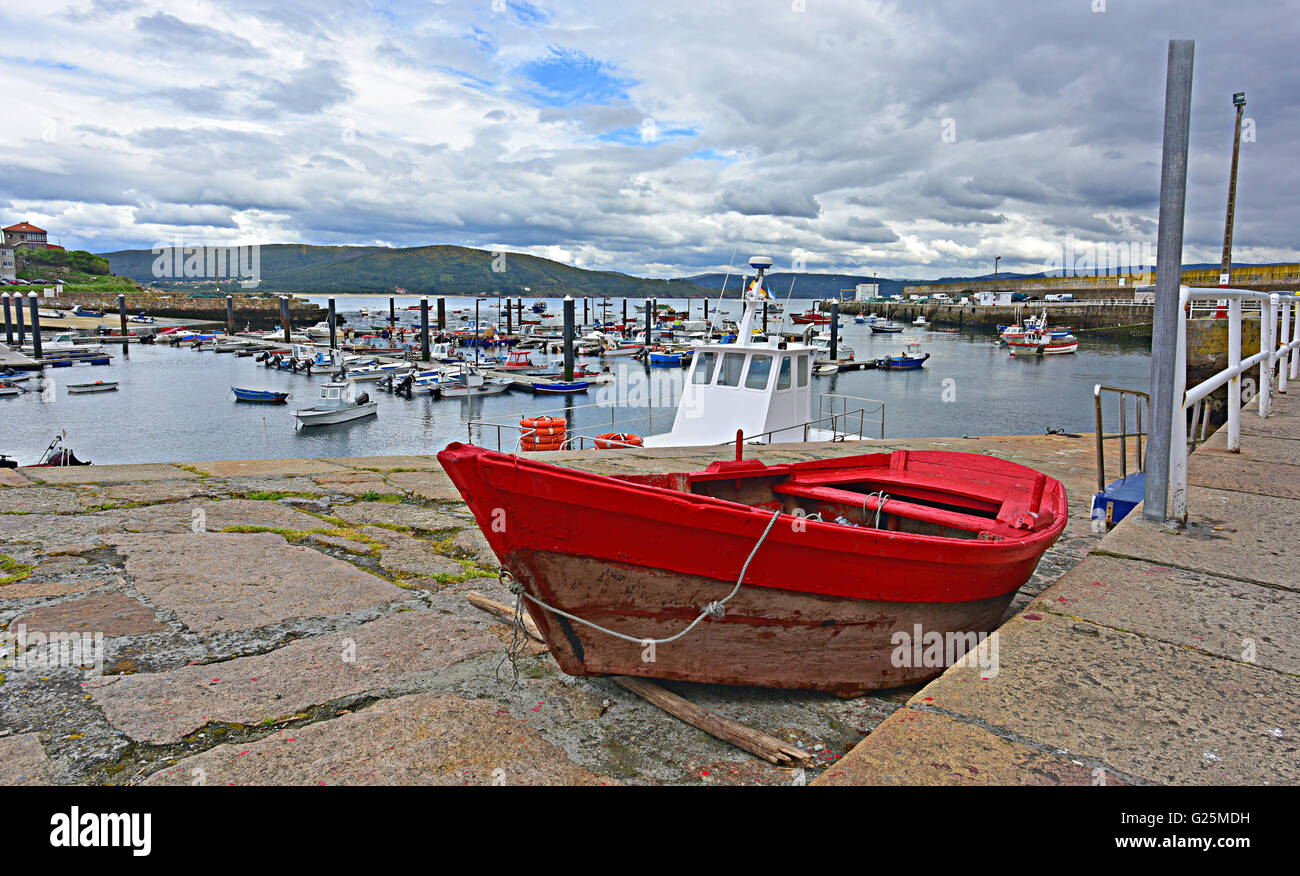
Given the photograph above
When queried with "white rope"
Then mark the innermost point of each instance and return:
(716, 610)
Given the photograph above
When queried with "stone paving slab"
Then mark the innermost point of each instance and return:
(158, 491)
(44, 500)
(23, 761)
(1221, 616)
(106, 474)
(402, 514)
(387, 463)
(420, 739)
(1130, 704)
(1228, 471)
(411, 556)
(1237, 534)
(231, 581)
(432, 485)
(912, 747)
(229, 468)
(217, 515)
(11, 478)
(113, 614)
(167, 706)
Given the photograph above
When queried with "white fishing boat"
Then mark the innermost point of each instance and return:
(469, 385)
(920, 320)
(338, 403)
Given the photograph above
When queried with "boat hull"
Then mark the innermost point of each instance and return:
(313, 417)
(831, 629)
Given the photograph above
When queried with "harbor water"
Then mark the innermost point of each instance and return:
(176, 403)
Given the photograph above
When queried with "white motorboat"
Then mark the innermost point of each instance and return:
(338, 403)
(97, 386)
(920, 320)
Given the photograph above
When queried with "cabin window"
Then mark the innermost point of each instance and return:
(704, 365)
(760, 369)
(783, 376)
(803, 371)
(733, 364)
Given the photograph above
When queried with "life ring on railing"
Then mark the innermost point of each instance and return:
(543, 423)
(550, 442)
(617, 439)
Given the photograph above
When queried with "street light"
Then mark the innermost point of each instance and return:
(996, 259)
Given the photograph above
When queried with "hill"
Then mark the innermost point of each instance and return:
(420, 270)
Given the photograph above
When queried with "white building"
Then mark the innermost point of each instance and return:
(8, 266)
(866, 291)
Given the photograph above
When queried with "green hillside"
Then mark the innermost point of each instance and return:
(440, 270)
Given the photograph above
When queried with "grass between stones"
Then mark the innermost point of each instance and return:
(12, 571)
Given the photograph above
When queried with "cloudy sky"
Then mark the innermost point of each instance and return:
(913, 139)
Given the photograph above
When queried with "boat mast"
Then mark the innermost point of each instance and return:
(752, 294)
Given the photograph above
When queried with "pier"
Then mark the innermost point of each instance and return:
(222, 647)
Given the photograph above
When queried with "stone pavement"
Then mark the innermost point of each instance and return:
(1165, 657)
(305, 621)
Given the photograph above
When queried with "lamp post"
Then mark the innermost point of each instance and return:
(996, 259)
(1239, 101)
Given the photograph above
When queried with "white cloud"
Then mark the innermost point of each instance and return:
(911, 139)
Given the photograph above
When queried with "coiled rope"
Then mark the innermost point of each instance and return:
(716, 609)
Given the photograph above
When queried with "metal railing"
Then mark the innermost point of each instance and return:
(1277, 350)
(1141, 404)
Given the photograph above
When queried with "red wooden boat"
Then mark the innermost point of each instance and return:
(814, 318)
(937, 539)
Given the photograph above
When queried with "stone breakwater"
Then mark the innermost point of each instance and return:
(304, 621)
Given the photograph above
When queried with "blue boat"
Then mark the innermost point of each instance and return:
(909, 360)
(258, 395)
(560, 388)
(81, 311)
(667, 359)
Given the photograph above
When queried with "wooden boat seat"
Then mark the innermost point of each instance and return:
(900, 507)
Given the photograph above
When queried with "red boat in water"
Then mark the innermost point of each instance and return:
(813, 318)
(800, 575)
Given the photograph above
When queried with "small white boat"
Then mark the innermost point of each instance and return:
(468, 384)
(10, 390)
(97, 386)
(920, 320)
(338, 403)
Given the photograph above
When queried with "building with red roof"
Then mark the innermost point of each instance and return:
(28, 235)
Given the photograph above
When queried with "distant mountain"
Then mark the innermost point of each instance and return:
(806, 286)
(420, 270)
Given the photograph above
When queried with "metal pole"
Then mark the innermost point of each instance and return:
(835, 331)
(584, 312)
(478, 340)
(764, 317)
(424, 326)
(1234, 382)
(442, 311)
(392, 315)
(36, 324)
(284, 316)
(510, 317)
(1282, 375)
(1267, 343)
(625, 313)
(1225, 271)
(569, 309)
(1169, 257)
(333, 318)
(230, 314)
(9, 330)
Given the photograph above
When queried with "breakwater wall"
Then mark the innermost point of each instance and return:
(259, 312)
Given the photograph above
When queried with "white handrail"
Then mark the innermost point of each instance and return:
(1282, 354)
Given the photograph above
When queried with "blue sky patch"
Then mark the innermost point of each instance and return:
(569, 78)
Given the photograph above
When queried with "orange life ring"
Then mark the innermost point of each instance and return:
(551, 443)
(543, 423)
(617, 439)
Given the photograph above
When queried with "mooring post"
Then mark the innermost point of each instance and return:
(765, 318)
(424, 325)
(510, 317)
(647, 323)
(36, 324)
(585, 320)
(392, 315)
(835, 331)
(22, 325)
(625, 313)
(333, 318)
(284, 317)
(121, 316)
(1169, 260)
(230, 314)
(9, 330)
(442, 312)
(569, 310)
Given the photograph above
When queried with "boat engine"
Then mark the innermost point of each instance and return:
(363, 398)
